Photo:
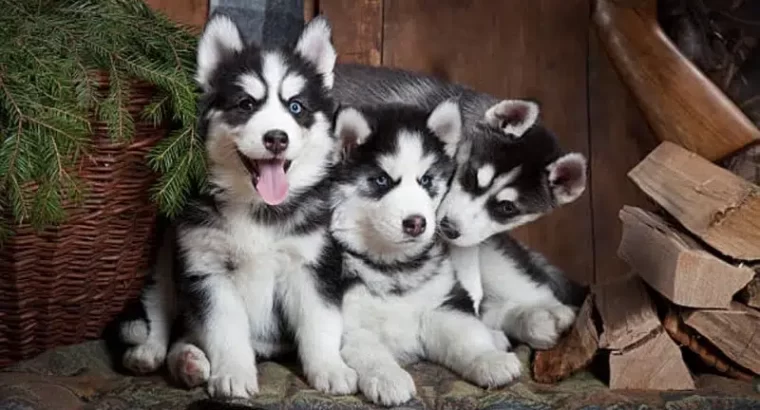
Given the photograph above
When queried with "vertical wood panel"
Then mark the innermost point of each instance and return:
(190, 12)
(620, 138)
(357, 29)
(511, 48)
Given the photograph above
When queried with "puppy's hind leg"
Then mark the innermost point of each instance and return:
(465, 345)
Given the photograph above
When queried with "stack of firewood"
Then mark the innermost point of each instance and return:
(693, 283)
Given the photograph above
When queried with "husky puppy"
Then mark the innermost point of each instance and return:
(510, 171)
(255, 260)
(406, 303)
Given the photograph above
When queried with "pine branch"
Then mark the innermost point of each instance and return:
(48, 97)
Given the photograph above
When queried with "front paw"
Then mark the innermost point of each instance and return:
(494, 368)
(388, 386)
(144, 358)
(189, 366)
(543, 326)
(333, 378)
(238, 381)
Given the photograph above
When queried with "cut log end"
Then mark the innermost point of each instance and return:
(573, 353)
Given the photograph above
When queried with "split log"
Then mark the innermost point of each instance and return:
(735, 332)
(711, 202)
(654, 364)
(709, 355)
(675, 265)
(627, 313)
(750, 295)
(680, 103)
(573, 352)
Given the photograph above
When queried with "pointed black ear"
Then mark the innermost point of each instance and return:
(446, 123)
(220, 38)
(567, 177)
(514, 117)
(315, 45)
(352, 130)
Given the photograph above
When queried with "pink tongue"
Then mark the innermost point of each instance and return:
(272, 184)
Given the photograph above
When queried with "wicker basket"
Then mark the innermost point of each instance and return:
(61, 286)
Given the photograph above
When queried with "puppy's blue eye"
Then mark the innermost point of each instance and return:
(295, 107)
(381, 181)
(426, 180)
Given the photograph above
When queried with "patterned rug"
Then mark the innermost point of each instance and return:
(82, 377)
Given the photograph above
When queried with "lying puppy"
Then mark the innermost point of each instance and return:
(511, 171)
(406, 303)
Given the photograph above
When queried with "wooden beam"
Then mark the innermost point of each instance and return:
(358, 29)
(680, 103)
(192, 13)
(677, 266)
(735, 332)
(711, 202)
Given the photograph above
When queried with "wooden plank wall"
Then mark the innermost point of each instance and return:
(543, 49)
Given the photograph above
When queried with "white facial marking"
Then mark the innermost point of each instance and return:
(469, 212)
(253, 86)
(408, 159)
(292, 85)
(485, 175)
(507, 194)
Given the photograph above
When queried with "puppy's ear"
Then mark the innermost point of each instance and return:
(352, 130)
(220, 39)
(513, 117)
(315, 45)
(446, 123)
(567, 177)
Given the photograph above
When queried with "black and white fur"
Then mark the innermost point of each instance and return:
(507, 177)
(510, 171)
(255, 267)
(407, 303)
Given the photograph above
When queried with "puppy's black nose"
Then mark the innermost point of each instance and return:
(276, 141)
(449, 229)
(414, 225)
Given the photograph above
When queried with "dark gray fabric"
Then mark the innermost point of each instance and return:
(272, 23)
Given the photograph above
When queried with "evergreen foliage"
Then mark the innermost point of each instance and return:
(48, 52)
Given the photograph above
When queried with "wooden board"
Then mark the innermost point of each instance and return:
(711, 202)
(681, 104)
(190, 12)
(656, 364)
(676, 265)
(513, 48)
(620, 139)
(357, 27)
(627, 312)
(573, 352)
(735, 332)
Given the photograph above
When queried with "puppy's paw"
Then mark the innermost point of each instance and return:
(500, 340)
(492, 369)
(233, 381)
(189, 365)
(333, 378)
(543, 326)
(144, 358)
(388, 386)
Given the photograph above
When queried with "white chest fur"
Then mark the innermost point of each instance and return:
(397, 319)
